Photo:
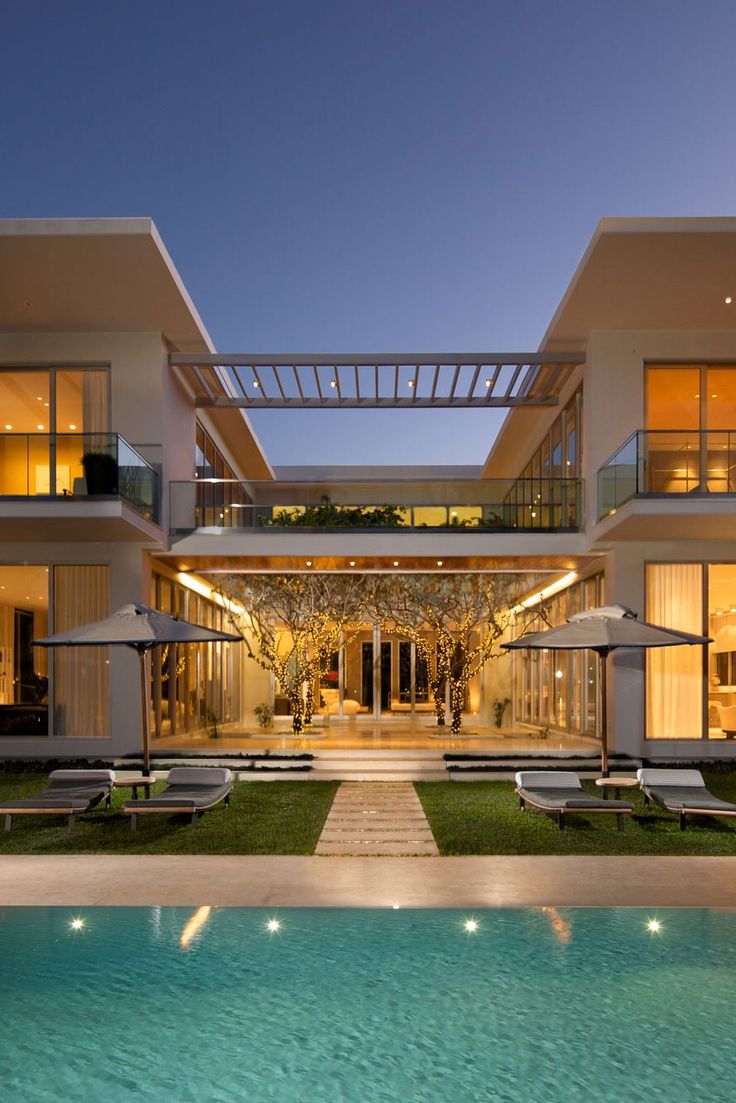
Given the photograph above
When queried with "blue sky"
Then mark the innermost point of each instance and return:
(372, 176)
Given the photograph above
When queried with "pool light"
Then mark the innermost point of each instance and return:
(77, 924)
(654, 926)
(470, 926)
(273, 926)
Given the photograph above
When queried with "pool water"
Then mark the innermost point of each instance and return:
(209, 1005)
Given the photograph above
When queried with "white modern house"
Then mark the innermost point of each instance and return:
(129, 471)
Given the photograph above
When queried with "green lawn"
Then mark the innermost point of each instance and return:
(483, 817)
(277, 817)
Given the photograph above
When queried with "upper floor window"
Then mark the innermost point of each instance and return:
(54, 400)
(691, 397)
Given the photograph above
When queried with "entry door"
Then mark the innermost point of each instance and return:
(385, 676)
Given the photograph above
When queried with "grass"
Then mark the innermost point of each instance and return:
(483, 817)
(279, 817)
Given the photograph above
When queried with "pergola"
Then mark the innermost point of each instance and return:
(385, 381)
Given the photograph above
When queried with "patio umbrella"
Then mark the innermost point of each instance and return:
(604, 630)
(141, 628)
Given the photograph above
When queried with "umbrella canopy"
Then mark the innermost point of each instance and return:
(604, 630)
(139, 627)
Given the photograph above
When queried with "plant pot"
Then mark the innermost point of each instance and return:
(100, 473)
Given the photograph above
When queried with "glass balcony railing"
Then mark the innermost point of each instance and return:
(661, 462)
(77, 465)
(483, 505)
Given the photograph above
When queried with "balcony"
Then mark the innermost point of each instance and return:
(480, 506)
(668, 463)
(69, 467)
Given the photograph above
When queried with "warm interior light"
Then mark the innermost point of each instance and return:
(8, 426)
(439, 562)
(396, 562)
(728, 300)
(309, 562)
(72, 426)
(352, 562)
(546, 591)
(39, 426)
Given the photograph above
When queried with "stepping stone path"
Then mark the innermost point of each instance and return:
(376, 818)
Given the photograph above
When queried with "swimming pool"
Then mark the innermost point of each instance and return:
(209, 1005)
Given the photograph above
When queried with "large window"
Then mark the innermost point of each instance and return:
(196, 687)
(675, 674)
(559, 689)
(691, 423)
(48, 418)
(63, 691)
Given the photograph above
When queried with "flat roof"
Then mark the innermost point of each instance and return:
(94, 275)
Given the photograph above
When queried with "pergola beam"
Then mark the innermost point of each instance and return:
(488, 380)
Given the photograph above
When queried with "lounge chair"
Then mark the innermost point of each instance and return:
(68, 793)
(559, 793)
(682, 792)
(190, 789)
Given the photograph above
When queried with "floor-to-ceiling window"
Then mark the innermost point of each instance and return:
(65, 691)
(49, 418)
(194, 686)
(559, 689)
(691, 428)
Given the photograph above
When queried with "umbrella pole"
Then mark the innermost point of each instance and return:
(604, 713)
(145, 713)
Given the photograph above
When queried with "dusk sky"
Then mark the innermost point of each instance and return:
(370, 177)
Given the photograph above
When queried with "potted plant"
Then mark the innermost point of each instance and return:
(264, 714)
(499, 708)
(100, 472)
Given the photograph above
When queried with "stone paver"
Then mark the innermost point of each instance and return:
(376, 818)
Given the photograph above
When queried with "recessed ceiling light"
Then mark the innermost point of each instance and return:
(396, 562)
(714, 396)
(352, 562)
(439, 562)
(309, 562)
(72, 426)
(39, 426)
(39, 398)
(728, 300)
(8, 426)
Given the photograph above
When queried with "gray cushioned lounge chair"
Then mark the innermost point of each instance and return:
(682, 792)
(189, 789)
(559, 793)
(68, 793)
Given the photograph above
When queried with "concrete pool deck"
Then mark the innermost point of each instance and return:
(501, 881)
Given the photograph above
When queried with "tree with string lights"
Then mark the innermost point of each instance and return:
(292, 623)
(455, 621)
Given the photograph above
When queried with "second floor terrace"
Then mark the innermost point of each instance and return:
(400, 505)
(664, 462)
(76, 467)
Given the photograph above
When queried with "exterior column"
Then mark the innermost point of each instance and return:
(376, 672)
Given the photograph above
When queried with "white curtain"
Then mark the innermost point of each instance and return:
(94, 401)
(81, 674)
(675, 674)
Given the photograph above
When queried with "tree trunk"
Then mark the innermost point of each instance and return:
(297, 712)
(456, 705)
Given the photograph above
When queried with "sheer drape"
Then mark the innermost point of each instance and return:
(675, 674)
(81, 674)
(94, 401)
